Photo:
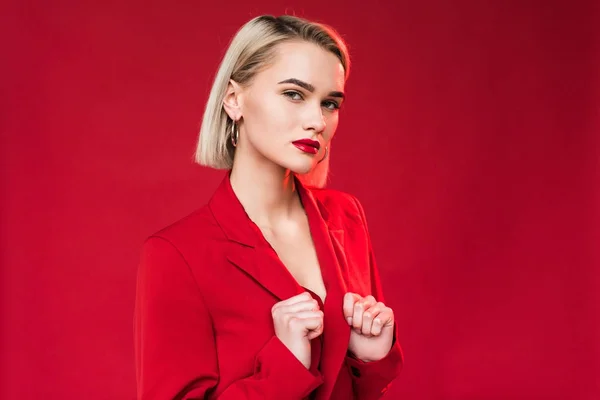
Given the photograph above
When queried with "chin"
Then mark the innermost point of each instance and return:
(301, 167)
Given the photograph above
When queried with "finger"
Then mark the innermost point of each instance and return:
(370, 300)
(303, 315)
(305, 296)
(313, 333)
(310, 305)
(369, 315)
(359, 309)
(307, 323)
(297, 298)
(348, 305)
(314, 323)
(383, 320)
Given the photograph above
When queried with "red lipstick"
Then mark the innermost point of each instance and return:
(307, 145)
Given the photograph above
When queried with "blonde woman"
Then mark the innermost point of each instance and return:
(271, 290)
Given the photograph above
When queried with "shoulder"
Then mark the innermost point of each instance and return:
(339, 203)
(195, 228)
(331, 196)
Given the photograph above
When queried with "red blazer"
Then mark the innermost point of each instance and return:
(206, 285)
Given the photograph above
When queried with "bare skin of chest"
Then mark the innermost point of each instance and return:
(294, 246)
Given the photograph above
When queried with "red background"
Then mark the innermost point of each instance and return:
(470, 135)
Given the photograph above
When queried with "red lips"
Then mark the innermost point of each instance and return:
(307, 145)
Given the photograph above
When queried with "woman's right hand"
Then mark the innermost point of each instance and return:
(297, 321)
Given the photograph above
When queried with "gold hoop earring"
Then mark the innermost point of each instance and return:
(234, 133)
(325, 156)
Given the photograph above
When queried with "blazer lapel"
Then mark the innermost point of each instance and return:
(329, 240)
(251, 253)
(248, 250)
(268, 271)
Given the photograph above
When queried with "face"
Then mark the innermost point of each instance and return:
(290, 110)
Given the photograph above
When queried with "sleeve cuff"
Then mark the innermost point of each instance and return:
(376, 376)
(392, 362)
(276, 363)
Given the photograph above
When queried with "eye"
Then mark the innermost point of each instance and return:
(331, 105)
(293, 95)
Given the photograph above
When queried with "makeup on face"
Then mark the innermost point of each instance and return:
(307, 145)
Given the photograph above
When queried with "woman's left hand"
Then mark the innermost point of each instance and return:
(372, 327)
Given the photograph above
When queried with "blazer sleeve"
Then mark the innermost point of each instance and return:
(372, 379)
(175, 348)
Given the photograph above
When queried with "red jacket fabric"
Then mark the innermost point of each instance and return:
(205, 289)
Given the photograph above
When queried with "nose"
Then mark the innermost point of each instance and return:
(315, 120)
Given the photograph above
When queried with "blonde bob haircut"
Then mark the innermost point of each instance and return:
(251, 50)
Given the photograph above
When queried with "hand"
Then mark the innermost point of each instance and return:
(297, 321)
(372, 325)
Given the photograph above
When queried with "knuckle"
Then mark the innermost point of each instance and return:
(274, 312)
(292, 322)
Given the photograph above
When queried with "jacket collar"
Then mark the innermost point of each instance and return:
(239, 229)
(249, 252)
(231, 216)
(237, 226)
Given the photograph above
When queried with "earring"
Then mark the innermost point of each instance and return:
(234, 133)
(325, 156)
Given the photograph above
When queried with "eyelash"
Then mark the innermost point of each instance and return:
(292, 93)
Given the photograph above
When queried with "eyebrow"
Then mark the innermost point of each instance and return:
(310, 87)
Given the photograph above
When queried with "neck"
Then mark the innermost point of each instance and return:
(266, 191)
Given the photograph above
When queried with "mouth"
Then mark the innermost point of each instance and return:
(307, 145)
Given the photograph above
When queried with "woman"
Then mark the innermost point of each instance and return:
(271, 290)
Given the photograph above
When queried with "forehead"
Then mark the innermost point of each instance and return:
(307, 62)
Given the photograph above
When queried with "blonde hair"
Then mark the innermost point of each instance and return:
(250, 51)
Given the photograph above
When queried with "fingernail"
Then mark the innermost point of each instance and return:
(349, 320)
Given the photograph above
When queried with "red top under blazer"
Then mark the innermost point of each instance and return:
(205, 288)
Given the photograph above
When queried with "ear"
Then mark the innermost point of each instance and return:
(232, 101)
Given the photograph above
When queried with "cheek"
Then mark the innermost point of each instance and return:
(332, 124)
(270, 123)
(255, 111)
(270, 113)
(257, 118)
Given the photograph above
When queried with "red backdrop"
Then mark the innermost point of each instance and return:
(480, 182)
